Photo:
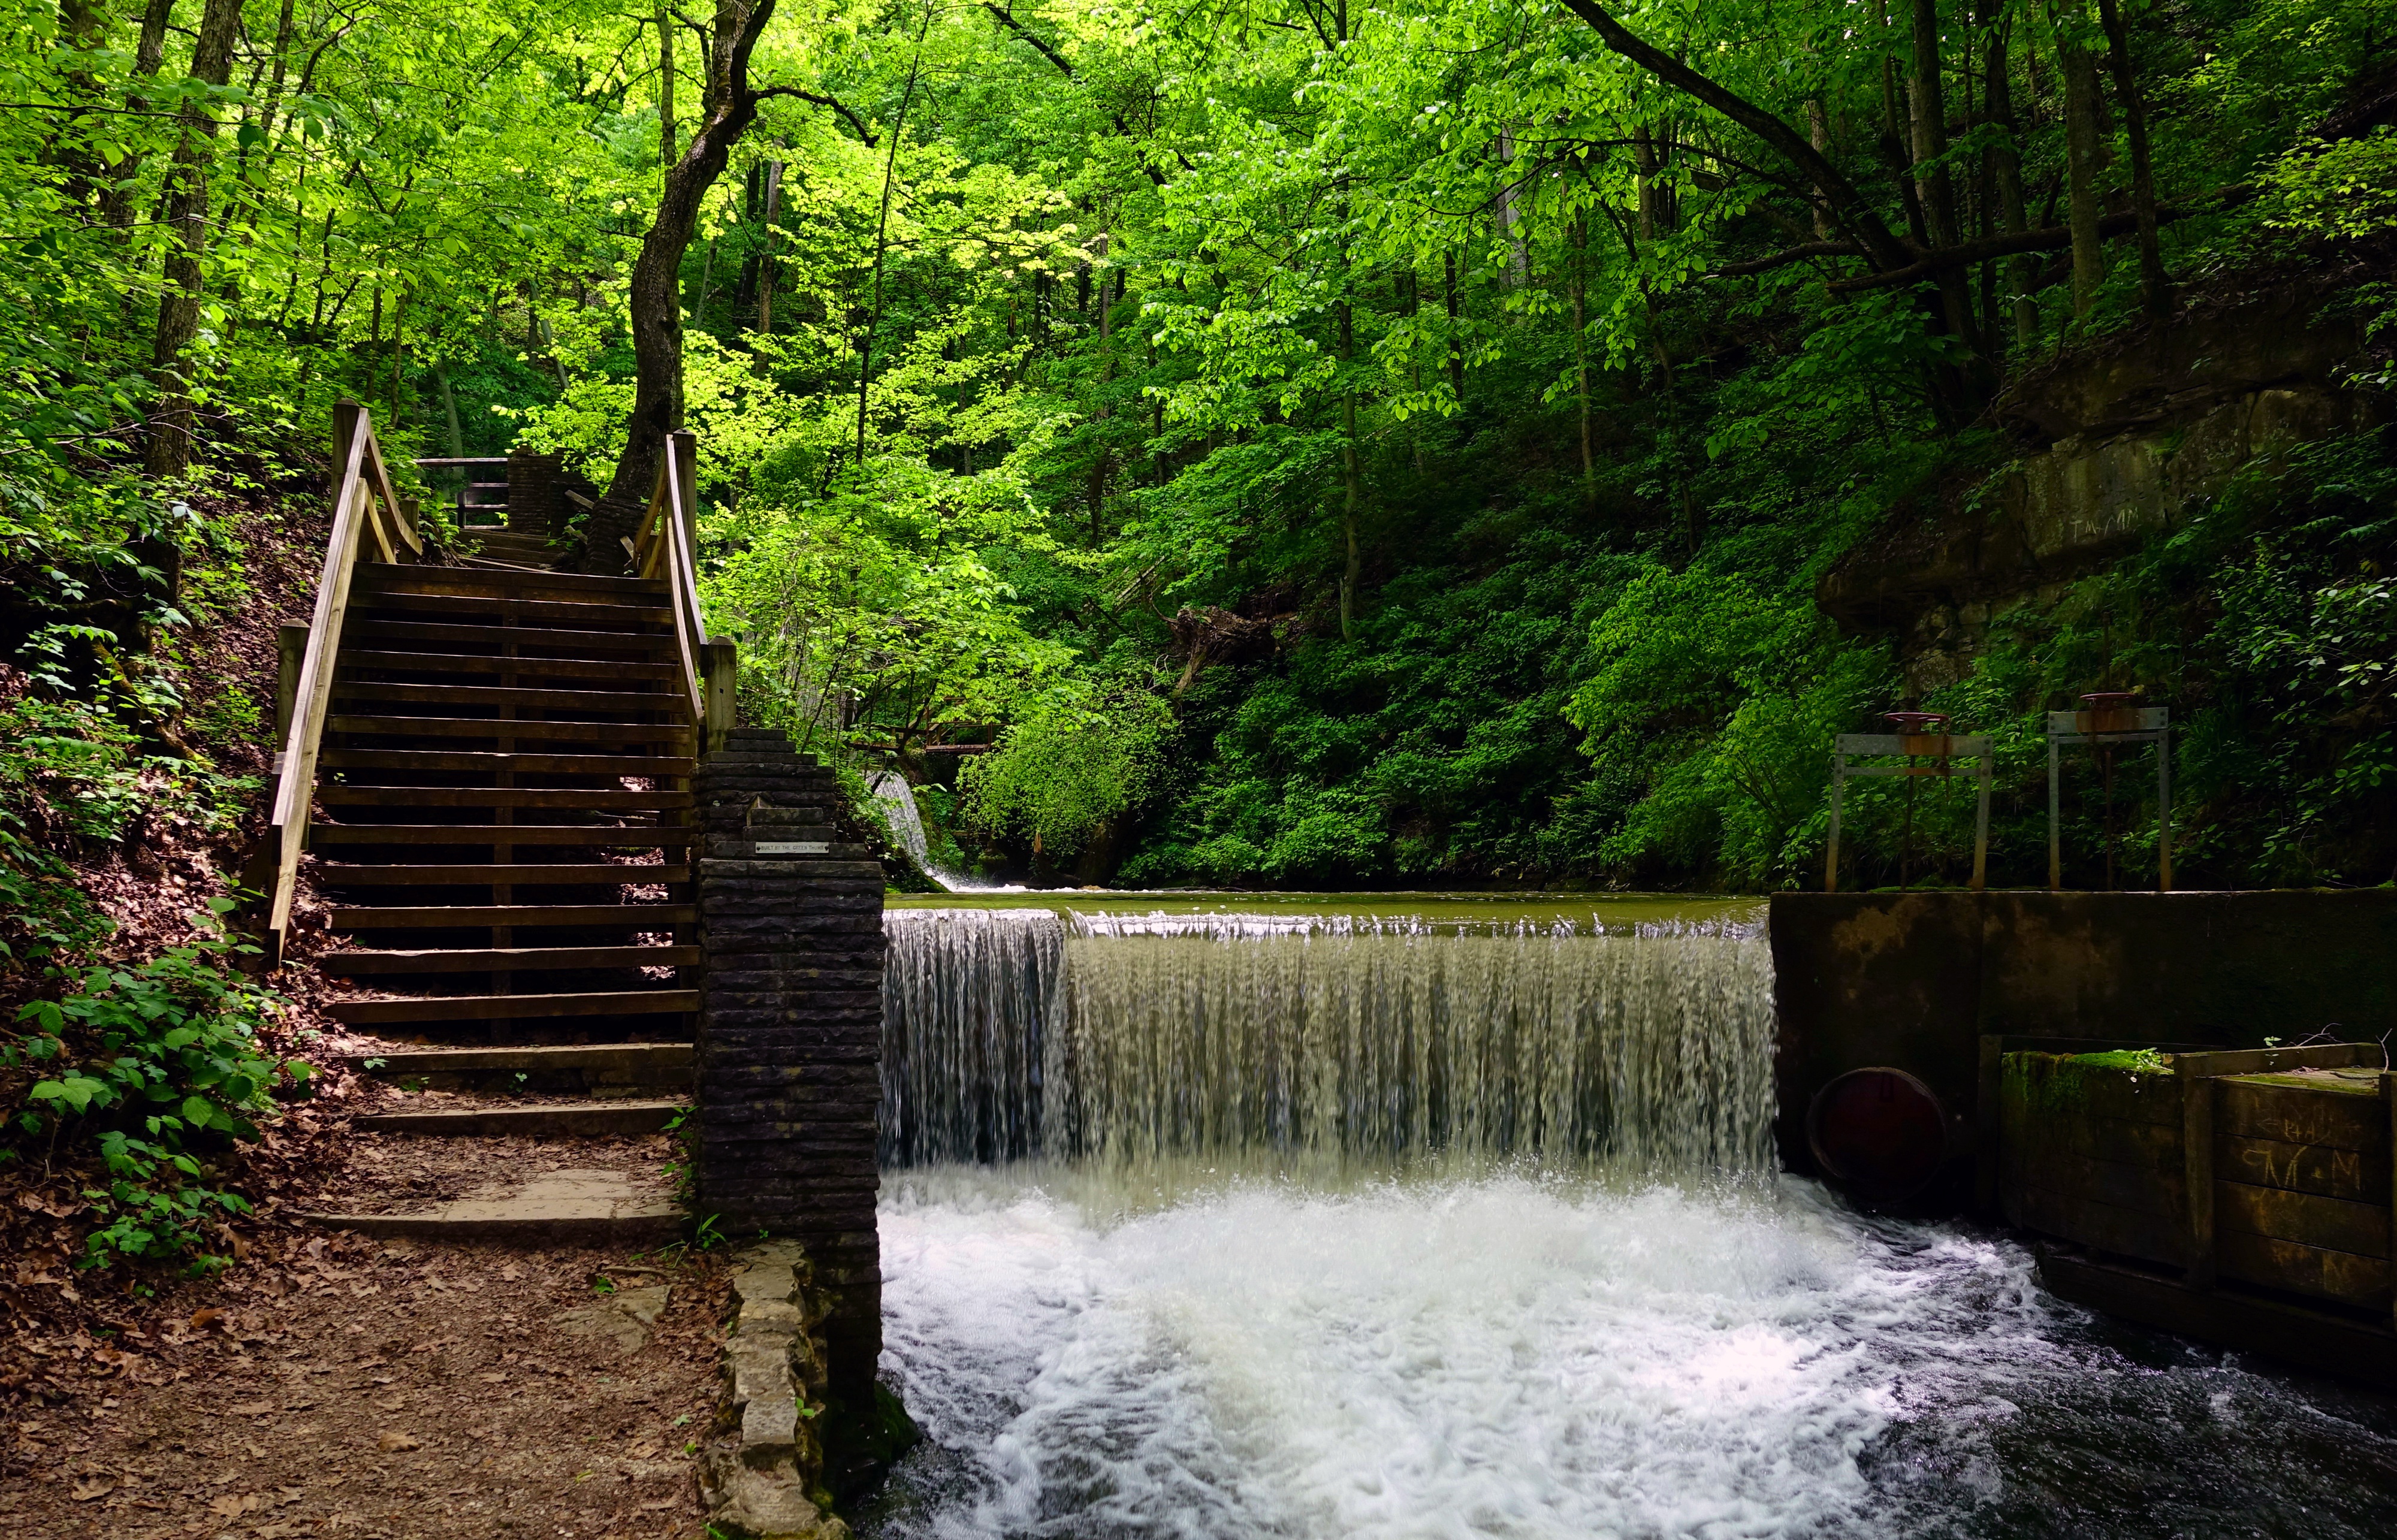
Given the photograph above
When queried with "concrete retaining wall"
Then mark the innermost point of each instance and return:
(1914, 980)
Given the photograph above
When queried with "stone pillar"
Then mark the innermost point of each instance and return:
(790, 1031)
(532, 491)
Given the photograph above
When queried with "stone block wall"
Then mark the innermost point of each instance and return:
(788, 1065)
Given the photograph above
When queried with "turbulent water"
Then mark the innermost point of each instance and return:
(1232, 1227)
(1531, 1357)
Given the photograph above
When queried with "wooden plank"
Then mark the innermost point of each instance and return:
(356, 875)
(501, 796)
(471, 582)
(2146, 1190)
(2332, 1223)
(2250, 1109)
(2152, 1236)
(517, 959)
(2314, 1271)
(490, 761)
(2197, 1183)
(560, 613)
(2264, 1061)
(558, 639)
(510, 1008)
(2153, 1146)
(529, 668)
(402, 527)
(2351, 1175)
(642, 917)
(495, 834)
(2311, 1339)
(521, 696)
(673, 734)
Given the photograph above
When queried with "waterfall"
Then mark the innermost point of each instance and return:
(967, 995)
(898, 810)
(1010, 1032)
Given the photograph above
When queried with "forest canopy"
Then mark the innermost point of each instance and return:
(1276, 442)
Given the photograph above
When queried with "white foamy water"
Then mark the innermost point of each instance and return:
(1501, 1357)
(1511, 1357)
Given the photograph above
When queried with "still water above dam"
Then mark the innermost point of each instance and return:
(1204, 1219)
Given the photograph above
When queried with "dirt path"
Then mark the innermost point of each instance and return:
(386, 1389)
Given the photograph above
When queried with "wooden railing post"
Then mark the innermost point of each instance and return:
(290, 650)
(720, 670)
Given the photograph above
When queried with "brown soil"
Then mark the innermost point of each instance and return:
(358, 1389)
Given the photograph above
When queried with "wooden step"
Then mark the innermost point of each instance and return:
(561, 614)
(669, 733)
(537, 668)
(564, 1208)
(520, 959)
(568, 1119)
(512, 1008)
(356, 875)
(561, 640)
(500, 697)
(469, 917)
(670, 767)
(593, 800)
(497, 834)
(661, 1059)
(393, 578)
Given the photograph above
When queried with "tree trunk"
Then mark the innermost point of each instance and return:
(882, 240)
(1818, 134)
(2155, 289)
(1927, 94)
(117, 199)
(83, 26)
(1643, 157)
(168, 452)
(1352, 491)
(2082, 149)
(1455, 316)
(730, 105)
(2005, 171)
(1578, 234)
(665, 90)
(766, 258)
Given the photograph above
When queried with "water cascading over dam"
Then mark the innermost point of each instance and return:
(1248, 1042)
(1318, 1226)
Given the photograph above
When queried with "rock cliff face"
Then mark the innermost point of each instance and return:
(2119, 443)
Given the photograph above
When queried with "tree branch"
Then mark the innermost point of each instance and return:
(805, 94)
(2054, 238)
(1006, 19)
(1880, 246)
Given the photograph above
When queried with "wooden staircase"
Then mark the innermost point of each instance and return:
(487, 768)
(503, 801)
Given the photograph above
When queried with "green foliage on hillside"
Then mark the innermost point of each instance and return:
(1305, 444)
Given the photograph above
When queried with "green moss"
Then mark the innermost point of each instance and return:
(2060, 1082)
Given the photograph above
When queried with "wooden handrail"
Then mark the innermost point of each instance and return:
(666, 546)
(366, 514)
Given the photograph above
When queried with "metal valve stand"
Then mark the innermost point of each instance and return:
(1921, 737)
(2108, 721)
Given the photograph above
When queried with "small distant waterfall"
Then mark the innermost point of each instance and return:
(898, 810)
(1009, 1032)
